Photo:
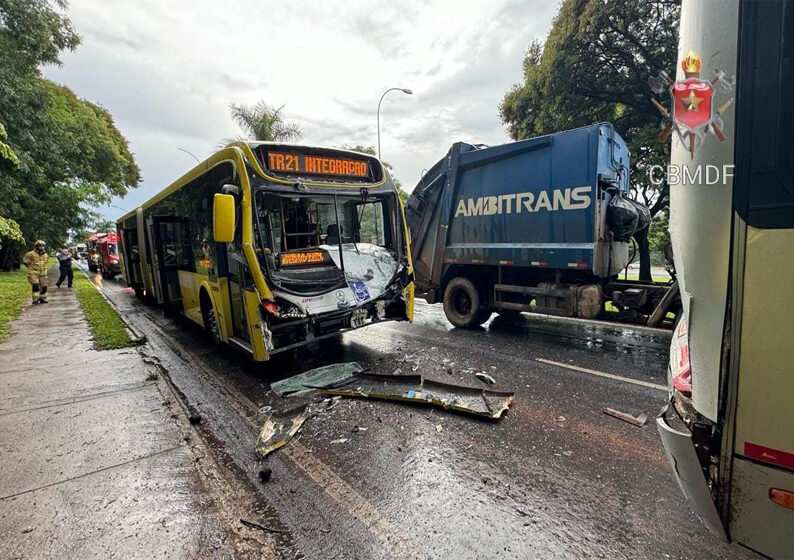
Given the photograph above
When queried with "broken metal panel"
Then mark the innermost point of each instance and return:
(279, 429)
(688, 472)
(332, 375)
(416, 389)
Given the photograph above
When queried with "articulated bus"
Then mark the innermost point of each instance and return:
(271, 246)
(729, 427)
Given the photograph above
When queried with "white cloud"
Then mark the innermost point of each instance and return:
(167, 71)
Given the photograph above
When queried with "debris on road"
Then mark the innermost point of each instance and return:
(265, 474)
(485, 378)
(279, 429)
(324, 377)
(255, 525)
(638, 421)
(414, 388)
(439, 428)
(340, 440)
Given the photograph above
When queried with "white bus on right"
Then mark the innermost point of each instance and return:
(728, 429)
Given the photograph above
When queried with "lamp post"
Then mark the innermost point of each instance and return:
(190, 154)
(404, 90)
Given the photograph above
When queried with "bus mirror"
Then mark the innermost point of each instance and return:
(223, 218)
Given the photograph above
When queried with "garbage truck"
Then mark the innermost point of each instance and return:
(542, 225)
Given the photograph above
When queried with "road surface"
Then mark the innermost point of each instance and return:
(555, 478)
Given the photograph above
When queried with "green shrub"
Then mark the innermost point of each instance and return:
(106, 324)
(14, 288)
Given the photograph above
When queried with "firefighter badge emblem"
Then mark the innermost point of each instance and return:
(693, 114)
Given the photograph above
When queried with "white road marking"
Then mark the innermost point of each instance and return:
(390, 535)
(604, 374)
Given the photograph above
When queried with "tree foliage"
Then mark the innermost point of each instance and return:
(70, 154)
(265, 123)
(373, 152)
(594, 66)
(7, 155)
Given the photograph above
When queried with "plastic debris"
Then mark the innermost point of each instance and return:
(485, 378)
(279, 428)
(340, 440)
(414, 388)
(439, 428)
(318, 378)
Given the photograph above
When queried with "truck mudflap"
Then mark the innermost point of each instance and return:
(680, 451)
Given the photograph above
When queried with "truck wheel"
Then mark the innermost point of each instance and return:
(462, 304)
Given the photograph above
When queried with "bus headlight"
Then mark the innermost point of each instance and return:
(282, 310)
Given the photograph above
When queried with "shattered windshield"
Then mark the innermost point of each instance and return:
(306, 241)
(296, 223)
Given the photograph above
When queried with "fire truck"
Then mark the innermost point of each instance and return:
(107, 250)
(92, 253)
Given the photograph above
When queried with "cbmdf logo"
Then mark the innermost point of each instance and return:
(693, 114)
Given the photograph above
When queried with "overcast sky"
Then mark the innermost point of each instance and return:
(167, 72)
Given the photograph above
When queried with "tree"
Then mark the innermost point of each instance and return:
(594, 66)
(70, 154)
(7, 155)
(264, 123)
(373, 152)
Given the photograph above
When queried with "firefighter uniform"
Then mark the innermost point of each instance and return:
(36, 261)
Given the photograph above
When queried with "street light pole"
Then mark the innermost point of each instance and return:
(190, 154)
(404, 90)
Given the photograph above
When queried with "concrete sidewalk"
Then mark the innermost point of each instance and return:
(92, 462)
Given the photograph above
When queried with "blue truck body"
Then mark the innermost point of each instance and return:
(539, 203)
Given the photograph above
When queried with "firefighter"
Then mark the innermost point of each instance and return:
(36, 261)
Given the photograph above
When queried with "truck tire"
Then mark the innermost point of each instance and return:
(462, 304)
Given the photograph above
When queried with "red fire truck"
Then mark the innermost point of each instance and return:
(107, 248)
(92, 253)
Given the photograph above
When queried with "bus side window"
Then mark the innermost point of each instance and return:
(764, 182)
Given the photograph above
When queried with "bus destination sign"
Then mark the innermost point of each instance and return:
(303, 258)
(317, 165)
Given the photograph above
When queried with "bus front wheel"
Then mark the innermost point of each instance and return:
(210, 320)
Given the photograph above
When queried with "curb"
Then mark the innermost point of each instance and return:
(135, 336)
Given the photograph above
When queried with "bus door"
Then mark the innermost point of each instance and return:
(132, 257)
(239, 278)
(170, 238)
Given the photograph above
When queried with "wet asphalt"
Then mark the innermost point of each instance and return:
(555, 478)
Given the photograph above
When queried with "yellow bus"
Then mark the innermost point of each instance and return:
(729, 427)
(271, 246)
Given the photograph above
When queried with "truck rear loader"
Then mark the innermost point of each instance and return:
(542, 225)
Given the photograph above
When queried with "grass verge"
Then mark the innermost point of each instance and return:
(106, 325)
(14, 289)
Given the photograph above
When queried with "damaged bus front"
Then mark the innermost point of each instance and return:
(271, 246)
(335, 255)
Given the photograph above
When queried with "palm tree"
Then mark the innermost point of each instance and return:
(263, 122)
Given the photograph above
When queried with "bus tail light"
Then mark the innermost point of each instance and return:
(782, 497)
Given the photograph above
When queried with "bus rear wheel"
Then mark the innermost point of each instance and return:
(462, 304)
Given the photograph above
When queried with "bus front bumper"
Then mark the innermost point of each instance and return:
(680, 451)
